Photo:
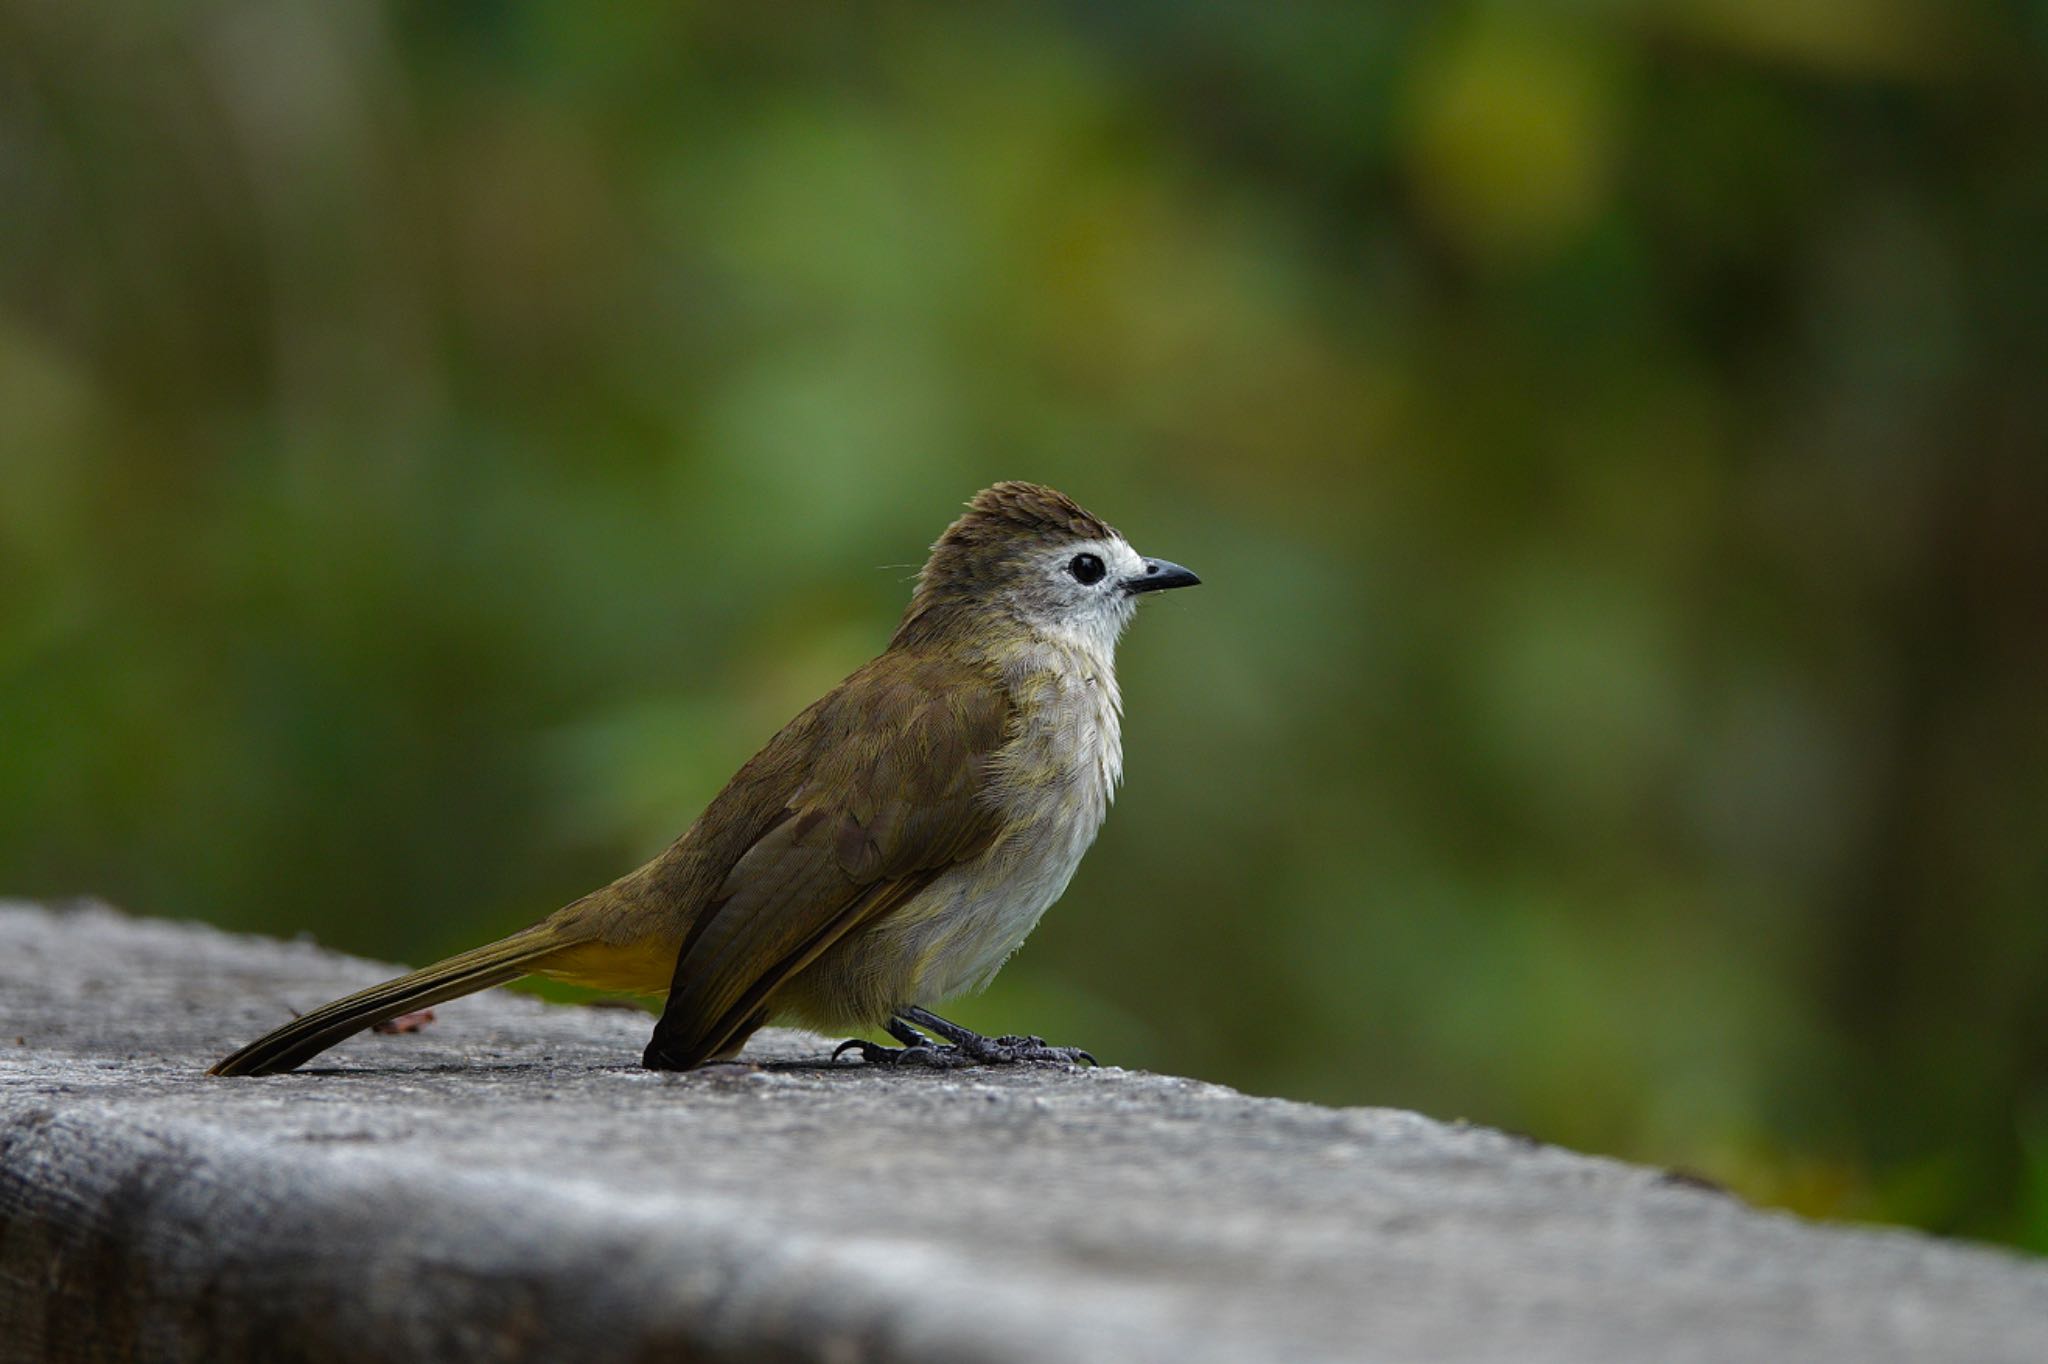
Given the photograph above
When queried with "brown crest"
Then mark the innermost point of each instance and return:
(1011, 512)
(1002, 524)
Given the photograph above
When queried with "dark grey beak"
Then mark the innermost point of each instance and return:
(1160, 575)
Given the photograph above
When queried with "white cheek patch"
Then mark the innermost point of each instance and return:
(1123, 561)
(1097, 613)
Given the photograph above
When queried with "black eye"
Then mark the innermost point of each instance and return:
(1086, 568)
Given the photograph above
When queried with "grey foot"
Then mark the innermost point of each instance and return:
(962, 1046)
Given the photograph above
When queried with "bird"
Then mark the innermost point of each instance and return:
(887, 850)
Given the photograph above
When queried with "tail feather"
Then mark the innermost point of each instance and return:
(306, 1036)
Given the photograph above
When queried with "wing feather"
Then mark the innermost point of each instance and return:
(883, 787)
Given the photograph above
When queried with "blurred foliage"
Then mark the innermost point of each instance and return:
(441, 442)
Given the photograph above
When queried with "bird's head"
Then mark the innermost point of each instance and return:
(1031, 555)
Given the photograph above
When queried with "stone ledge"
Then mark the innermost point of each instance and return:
(507, 1184)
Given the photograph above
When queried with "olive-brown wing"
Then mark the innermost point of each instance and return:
(888, 791)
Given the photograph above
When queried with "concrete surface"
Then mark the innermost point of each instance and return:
(508, 1184)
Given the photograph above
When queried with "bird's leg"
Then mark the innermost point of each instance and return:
(927, 1052)
(964, 1047)
(907, 1035)
(996, 1050)
(993, 1051)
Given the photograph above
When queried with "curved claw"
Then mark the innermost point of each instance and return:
(870, 1052)
(965, 1047)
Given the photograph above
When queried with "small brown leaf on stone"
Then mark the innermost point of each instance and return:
(412, 1022)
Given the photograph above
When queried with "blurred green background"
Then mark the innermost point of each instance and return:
(441, 442)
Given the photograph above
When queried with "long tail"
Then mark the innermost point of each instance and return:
(465, 973)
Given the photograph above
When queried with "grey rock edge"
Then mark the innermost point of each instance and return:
(509, 1184)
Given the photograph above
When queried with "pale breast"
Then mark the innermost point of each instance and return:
(1053, 782)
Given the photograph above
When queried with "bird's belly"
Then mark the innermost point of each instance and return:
(1053, 785)
(952, 939)
(989, 909)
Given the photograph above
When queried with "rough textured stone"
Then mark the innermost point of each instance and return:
(508, 1184)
